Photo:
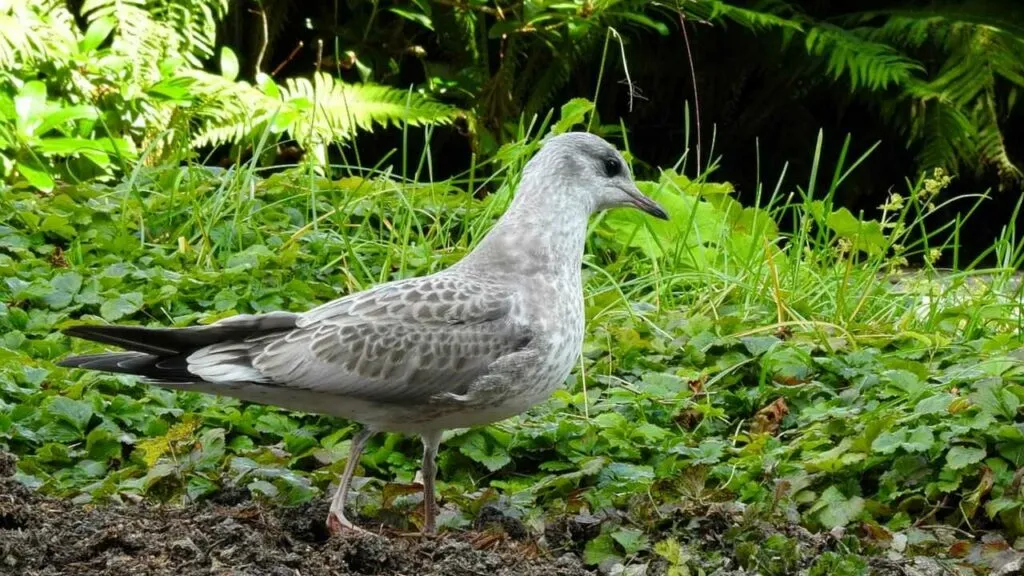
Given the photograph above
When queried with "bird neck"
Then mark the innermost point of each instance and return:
(541, 233)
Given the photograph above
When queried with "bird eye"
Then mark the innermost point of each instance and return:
(612, 167)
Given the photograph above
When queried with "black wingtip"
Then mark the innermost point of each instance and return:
(83, 360)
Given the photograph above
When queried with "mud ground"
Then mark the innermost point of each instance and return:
(42, 536)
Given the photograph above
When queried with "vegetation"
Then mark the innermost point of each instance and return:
(776, 355)
(942, 75)
(85, 104)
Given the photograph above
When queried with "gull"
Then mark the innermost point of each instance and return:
(481, 341)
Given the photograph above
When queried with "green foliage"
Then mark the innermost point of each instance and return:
(314, 114)
(946, 75)
(82, 105)
(946, 62)
(725, 362)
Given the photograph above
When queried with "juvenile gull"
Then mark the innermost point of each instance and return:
(481, 341)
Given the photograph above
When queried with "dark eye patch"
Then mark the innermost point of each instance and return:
(612, 167)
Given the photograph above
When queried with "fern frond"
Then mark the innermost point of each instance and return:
(315, 113)
(991, 144)
(981, 44)
(195, 23)
(948, 136)
(151, 30)
(330, 111)
(33, 32)
(941, 23)
(764, 15)
(866, 63)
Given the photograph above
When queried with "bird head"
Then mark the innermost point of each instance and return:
(590, 171)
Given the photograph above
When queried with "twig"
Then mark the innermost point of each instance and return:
(291, 56)
(629, 82)
(693, 77)
(266, 37)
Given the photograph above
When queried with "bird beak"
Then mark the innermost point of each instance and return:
(641, 202)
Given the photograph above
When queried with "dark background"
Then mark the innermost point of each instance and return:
(756, 101)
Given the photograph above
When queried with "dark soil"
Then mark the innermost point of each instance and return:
(46, 536)
(42, 536)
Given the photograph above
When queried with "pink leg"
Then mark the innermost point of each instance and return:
(336, 521)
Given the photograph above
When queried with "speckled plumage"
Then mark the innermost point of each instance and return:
(478, 342)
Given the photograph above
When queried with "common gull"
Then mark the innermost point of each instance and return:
(483, 340)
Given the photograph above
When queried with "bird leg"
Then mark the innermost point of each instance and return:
(336, 521)
(431, 440)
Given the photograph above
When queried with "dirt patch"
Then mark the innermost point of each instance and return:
(231, 534)
(44, 536)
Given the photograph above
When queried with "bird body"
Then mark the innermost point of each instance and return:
(476, 343)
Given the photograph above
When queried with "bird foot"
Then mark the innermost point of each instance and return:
(337, 525)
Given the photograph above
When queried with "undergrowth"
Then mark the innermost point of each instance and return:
(805, 375)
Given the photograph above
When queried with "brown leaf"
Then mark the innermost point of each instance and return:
(487, 540)
(57, 259)
(697, 384)
(768, 419)
(689, 418)
(960, 548)
(393, 490)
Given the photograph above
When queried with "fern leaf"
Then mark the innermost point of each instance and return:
(35, 32)
(866, 63)
(328, 111)
(762, 16)
(315, 113)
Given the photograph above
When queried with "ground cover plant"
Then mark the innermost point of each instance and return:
(739, 385)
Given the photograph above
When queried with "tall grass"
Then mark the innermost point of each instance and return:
(369, 225)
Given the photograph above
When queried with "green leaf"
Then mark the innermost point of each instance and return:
(63, 116)
(574, 112)
(934, 404)
(631, 540)
(35, 173)
(992, 395)
(59, 146)
(103, 442)
(121, 306)
(692, 225)
(673, 553)
(263, 487)
(888, 442)
(30, 106)
(960, 457)
(73, 412)
(97, 32)
(421, 19)
(905, 381)
(709, 451)
(866, 236)
(276, 423)
(834, 510)
(65, 287)
(919, 440)
(627, 476)
(758, 345)
(228, 63)
(199, 486)
(479, 447)
(600, 549)
(210, 446)
(997, 505)
(58, 225)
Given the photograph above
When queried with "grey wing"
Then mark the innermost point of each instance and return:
(401, 342)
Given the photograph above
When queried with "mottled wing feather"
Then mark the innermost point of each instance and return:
(401, 342)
